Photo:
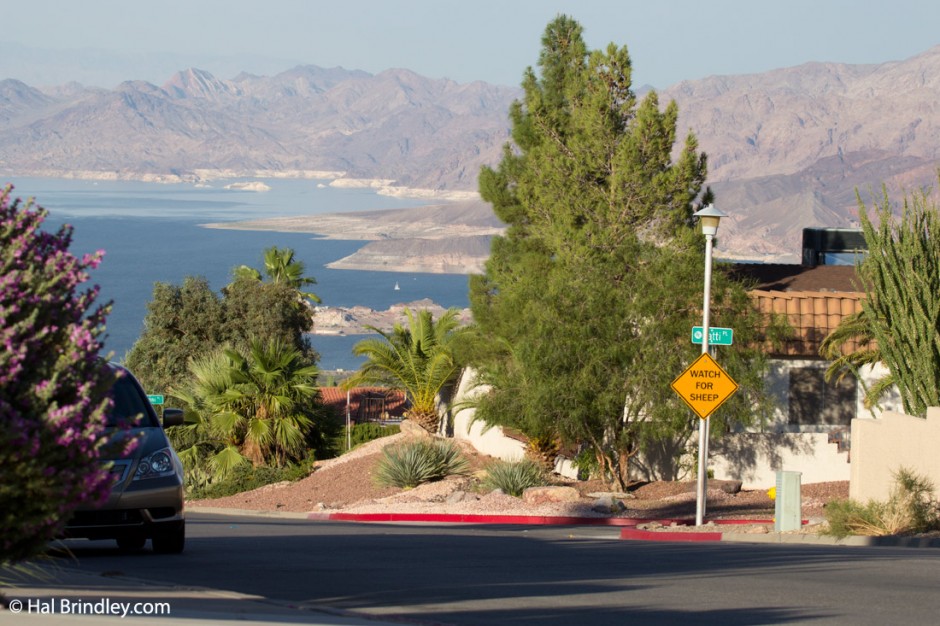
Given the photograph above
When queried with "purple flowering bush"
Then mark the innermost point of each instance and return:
(53, 384)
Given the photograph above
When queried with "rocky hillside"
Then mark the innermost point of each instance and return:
(418, 132)
(787, 148)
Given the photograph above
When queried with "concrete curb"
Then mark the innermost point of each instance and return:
(634, 534)
(213, 510)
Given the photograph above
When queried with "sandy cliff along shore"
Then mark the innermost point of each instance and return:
(448, 238)
(356, 320)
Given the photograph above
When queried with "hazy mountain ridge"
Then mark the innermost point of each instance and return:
(787, 148)
(395, 125)
(784, 121)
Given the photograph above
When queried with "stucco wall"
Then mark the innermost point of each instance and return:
(489, 441)
(755, 458)
(881, 447)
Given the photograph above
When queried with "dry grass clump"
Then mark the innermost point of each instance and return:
(910, 509)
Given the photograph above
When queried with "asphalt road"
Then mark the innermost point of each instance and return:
(527, 575)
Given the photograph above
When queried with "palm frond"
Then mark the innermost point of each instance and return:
(226, 460)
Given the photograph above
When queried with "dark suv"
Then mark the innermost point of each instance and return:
(146, 501)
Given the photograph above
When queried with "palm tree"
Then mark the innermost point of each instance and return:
(857, 328)
(418, 360)
(206, 442)
(260, 406)
(280, 266)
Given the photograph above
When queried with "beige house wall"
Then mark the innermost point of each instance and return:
(881, 447)
(755, 457)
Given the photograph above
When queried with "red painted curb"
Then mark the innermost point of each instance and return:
(652, 535)
(527, 520)
(457, 518)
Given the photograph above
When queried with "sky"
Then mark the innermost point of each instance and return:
(103, 42)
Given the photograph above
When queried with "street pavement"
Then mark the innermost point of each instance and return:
(58, 594)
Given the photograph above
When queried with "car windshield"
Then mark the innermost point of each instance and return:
(131, 407)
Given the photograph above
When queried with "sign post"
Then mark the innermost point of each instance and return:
(704, 386)
(709, 218)
(155, 399)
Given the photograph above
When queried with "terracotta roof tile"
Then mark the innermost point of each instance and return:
(365, 403)
(811, 314)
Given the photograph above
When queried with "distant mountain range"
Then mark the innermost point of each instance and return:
(787, 148)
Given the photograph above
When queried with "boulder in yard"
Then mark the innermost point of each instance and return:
(542, 495)
(609, 504)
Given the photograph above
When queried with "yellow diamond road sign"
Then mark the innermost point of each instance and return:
(704, 386)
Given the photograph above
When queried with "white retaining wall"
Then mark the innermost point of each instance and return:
(489, 441)
(755, 458)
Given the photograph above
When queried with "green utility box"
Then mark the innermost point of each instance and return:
(788, 504)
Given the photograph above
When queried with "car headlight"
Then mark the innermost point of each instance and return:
(155, 465)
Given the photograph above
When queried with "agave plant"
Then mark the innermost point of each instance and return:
(514, 477)
(413, 463)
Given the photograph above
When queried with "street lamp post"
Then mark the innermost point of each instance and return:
(709, 217)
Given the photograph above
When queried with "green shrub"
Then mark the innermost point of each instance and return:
(245, 478)
(410, 464)
(363, 433)
(586, 463)
(513, 477)
(909, 509)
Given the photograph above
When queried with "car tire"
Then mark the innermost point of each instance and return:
(131, 543)
(171, 542)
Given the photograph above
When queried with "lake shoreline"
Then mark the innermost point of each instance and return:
(151, 234)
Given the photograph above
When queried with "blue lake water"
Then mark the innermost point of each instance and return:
(151, 233)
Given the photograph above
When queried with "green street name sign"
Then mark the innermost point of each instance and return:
(155, 399)
(716, 336)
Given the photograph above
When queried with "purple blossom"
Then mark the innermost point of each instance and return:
(52, 384)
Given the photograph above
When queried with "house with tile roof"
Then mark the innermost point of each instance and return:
(365, 404)
(809, 430)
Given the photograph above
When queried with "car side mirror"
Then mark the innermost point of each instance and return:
(172, 417)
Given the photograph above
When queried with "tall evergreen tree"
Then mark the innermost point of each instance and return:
(269, 311)
(587, 302)
(183, 321)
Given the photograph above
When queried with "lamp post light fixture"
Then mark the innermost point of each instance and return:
(709, 217)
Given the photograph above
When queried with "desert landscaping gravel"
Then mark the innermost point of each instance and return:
(345, 484)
